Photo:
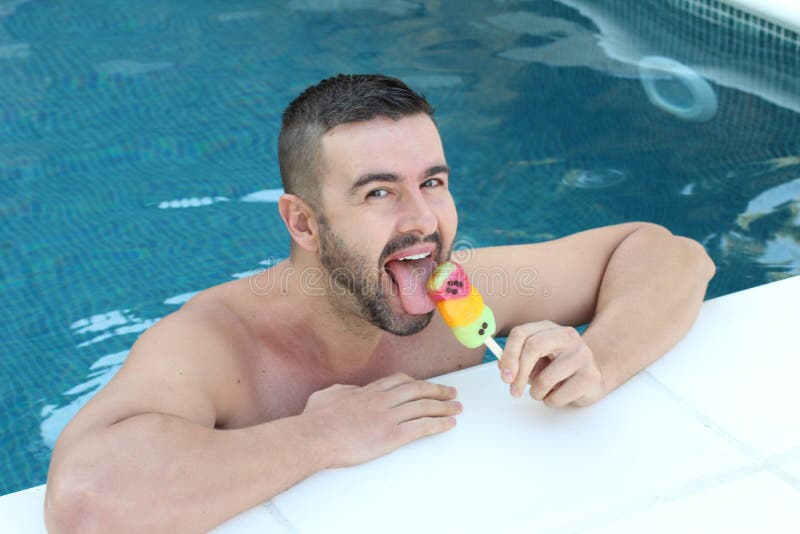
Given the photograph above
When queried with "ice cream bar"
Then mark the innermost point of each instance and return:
(462, 307)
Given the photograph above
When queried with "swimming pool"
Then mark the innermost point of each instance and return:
(137, 153)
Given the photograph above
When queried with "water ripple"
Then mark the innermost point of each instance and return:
(593, 178)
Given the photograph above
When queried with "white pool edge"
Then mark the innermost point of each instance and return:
(783, 12)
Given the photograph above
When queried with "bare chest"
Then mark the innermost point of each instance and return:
(282, 384)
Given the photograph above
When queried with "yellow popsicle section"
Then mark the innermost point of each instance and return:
(462, 311)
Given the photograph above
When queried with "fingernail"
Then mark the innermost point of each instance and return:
(506, 375)
(515, 391)
(458, 406)
(453, 391)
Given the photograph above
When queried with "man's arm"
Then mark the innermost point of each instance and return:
(639, 287)
(144, 455)
(649, 297)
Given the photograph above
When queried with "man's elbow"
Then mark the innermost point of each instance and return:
(74, 502)
(697, 259)
(692, 255)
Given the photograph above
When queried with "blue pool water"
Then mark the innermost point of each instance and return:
(137, 153)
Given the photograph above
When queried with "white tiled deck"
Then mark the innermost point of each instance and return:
(706, 440)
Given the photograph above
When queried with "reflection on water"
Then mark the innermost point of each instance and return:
(177, 300)
(593, 178)
(262, 266)
(565, 44)
(265, 195)
(10, 48)
(190, 202)
(8, 7)
(421, 82)
(391, 7)
(14, 50)
(239, 15)
(767, 231)
(785, 195)
(113, 323)
(55, 418)
(782, 252)
(779, 255)
(109, 325)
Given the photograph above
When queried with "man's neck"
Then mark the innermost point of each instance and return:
(344, 344)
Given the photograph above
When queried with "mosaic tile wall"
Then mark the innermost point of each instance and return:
(736, 18)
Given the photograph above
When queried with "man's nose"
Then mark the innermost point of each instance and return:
(416, 215)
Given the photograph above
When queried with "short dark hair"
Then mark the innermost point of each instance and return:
(337, 100)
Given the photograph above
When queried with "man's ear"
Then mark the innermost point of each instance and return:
(300, 220)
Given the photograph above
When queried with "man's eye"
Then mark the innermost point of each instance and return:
(377, 193)
(432, 182)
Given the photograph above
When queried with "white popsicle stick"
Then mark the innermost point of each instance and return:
(494, 347)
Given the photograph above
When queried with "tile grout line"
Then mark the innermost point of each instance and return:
(777, 468)
(690, 488)
(785, 477)
(282, 520)
(706, 421)
(771, 464)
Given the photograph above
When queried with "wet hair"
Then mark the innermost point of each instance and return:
(337, 100)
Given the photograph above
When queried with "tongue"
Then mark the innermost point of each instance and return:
(411, 277)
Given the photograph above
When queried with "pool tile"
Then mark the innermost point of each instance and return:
(760, 502)
(743, 382)
(635, 445)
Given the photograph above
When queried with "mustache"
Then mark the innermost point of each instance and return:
(407, 240)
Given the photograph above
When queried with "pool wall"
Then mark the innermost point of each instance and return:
(785, 13)
(764, 64)
(775, 59)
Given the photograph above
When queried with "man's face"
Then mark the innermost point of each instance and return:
(387, 218)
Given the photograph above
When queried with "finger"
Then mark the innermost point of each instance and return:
(567, 392)
(540, 365)
(509, 362)
(426, 426)
(420, 389)
(426, 408)
(548, 342)
(389, 382)
(560, 369)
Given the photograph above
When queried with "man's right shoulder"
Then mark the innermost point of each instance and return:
(199, 325)
(200, 350)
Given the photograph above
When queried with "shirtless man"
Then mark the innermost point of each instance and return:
(321, 361)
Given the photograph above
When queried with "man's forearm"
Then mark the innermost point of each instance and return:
(649, 297)
(159, 473)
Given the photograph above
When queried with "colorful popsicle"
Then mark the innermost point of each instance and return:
(462, 307)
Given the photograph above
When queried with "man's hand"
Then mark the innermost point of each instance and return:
(363, 423)
(555, 361)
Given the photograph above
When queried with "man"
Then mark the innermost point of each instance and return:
(321, 361)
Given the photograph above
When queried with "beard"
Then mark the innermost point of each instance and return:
(356, 284)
